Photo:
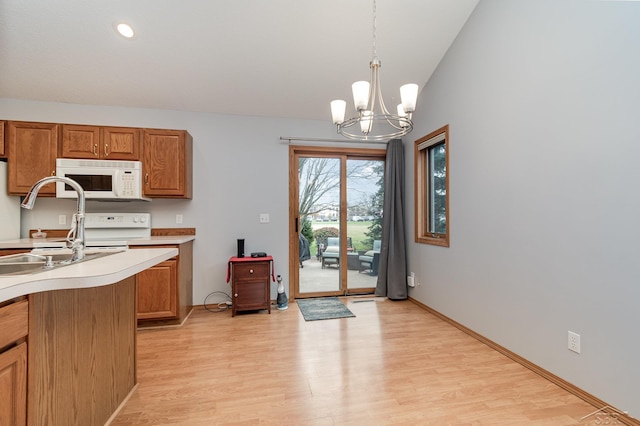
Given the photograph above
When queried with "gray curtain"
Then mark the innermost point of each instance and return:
(392, 269)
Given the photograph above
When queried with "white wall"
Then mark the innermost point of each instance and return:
(240, 169)
(542, 98)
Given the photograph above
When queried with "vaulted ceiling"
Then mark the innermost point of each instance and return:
(275, 58)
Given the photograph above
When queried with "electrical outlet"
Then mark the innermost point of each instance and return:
(178, 218)
(264, 217)
(62, 219)
(411, 280)
(574, 342)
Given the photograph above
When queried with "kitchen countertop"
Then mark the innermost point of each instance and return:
(91, 273)
(30, 243)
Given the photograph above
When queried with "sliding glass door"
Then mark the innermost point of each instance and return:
(336, 212)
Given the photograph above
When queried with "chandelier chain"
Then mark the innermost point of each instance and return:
(374, 53)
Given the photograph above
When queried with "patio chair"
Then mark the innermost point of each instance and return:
(331, 254)
(369, 260)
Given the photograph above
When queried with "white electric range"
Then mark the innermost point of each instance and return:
(105, 232)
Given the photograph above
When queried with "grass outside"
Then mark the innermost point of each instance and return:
(355, 230)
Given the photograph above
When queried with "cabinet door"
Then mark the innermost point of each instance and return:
(33, 148)
(167, 163)
(94, 142)
(157, 291)
(13, 386)
(251, 295)
(120, 143)
(80, 141)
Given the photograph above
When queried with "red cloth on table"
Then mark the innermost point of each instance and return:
(251, 259)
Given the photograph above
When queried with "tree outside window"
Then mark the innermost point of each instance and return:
(432, 188)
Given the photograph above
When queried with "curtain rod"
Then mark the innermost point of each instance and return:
(288, 140)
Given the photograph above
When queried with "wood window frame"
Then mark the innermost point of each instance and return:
(423, 194)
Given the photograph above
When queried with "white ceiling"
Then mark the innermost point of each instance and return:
(278, 58)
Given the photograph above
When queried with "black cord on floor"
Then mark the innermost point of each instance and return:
(221, 306)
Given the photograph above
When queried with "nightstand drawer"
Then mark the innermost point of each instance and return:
(250, 270)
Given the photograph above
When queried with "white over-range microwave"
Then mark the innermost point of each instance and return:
(101, 179)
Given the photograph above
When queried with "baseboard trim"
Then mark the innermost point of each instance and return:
(121, 406)
(155, 324)
(585, 396)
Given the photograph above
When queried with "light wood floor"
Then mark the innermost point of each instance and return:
(394, 363)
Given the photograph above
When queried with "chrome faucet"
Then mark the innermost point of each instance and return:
(75, 238)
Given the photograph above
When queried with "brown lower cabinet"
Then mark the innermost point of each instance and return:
(14, 317)
(13, 385)
(164, 292)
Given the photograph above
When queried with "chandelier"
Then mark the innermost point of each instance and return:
(373, 121)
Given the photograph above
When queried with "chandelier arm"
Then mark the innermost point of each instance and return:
(395, 121)
(373, 87)
(383, 108)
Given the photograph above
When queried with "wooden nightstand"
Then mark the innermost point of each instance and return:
(250, 283)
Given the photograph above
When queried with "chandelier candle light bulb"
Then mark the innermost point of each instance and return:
(338, 108)
(402, 113)
(366, 122)
(375, 121)
(409, 95)
(360, 94)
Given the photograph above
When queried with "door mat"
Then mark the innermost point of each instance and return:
(323, 308)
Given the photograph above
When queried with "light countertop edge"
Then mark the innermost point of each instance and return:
(29, 243)
(91, 273)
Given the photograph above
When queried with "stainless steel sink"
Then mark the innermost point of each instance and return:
(30, 258)
(28, 263)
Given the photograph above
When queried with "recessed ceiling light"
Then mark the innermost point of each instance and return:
(125, 30)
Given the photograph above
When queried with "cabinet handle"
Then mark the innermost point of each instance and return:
(236, 295)
(146, 178)
(95, 149)
(251, 271)
(106, 149)
(53, 173)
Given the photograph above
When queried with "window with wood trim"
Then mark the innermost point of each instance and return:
(431, 156)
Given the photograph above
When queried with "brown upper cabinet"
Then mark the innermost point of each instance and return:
(166, 165)
(32, 151)
(2, 148)
(100, 143)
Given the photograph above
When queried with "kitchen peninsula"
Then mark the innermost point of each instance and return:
(81, 337)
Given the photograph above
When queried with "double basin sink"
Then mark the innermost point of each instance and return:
(30, 263)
